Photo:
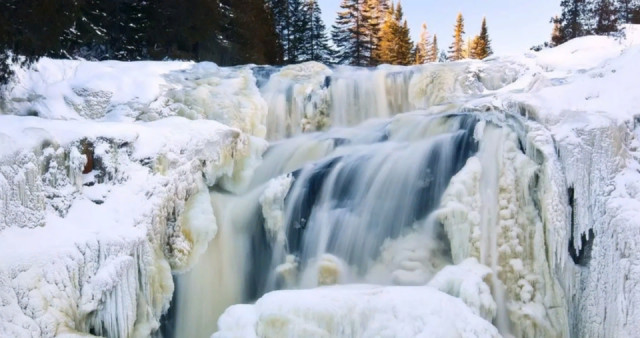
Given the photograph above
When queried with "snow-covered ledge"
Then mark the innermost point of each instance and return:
(95, 216)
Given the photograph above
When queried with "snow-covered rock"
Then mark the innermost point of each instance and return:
(96, 215)
(355, 311)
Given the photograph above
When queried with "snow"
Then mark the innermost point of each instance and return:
(94, 250)
(98, 255)
(355, 311)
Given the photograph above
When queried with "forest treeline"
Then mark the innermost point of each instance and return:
(587, 17)
(230, 32)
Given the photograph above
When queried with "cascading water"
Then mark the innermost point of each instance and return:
(357, 210)
(392, 201)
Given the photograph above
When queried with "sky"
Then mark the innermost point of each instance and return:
(514, 25)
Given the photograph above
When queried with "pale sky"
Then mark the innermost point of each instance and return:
(514, 25)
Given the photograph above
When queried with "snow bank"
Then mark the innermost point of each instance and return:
(355, 311)
(128, 91)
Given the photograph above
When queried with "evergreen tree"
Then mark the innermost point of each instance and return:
(349, 34)
(30, 30)
(224, 31)
(457, 46)
(252, 36)
(606, 17)
(572, 23)
(626, 9)
(292, 20)
(557, 36)
(469, 50)
(395, 42)
(373, 12)
(433, 54)
(300, 23)
(482, 43)
(282, 23)
(443, 56)
(635, 16)
(423, 47)
(402, 37)
(316, 44)
(385, 52)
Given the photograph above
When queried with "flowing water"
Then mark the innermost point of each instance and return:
(359, 203)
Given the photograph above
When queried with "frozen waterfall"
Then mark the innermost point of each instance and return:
(474, 199)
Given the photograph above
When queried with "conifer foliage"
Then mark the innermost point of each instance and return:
(423, 47)
(351, 34)
(228, 32)
(482, 42)
(433, 56)
(606, 17)
(395, 46)
(584, 17)
(457, 46)
(224, 31)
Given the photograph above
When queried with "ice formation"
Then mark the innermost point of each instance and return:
(494, 198)
(119, 206)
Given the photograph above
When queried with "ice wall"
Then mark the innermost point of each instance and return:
(118, 208)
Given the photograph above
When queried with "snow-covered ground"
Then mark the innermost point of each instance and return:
(106, 167)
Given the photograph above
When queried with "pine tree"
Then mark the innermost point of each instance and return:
(373, 12)
(251, 33)
(635, 16)
(457, 46)
(625, 10)
(299, 23)
(316, 44)
(292, 20)
(443, 56)
(469, 50)
(606, 17)
(572, 23)
(403, 42)
(423, 47)
(385, 52)
(482, 43)
(395, 42)
(349, 34)
(557, 36)
(433, 54)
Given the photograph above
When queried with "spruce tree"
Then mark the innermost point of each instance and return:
(606, 17)
(403, 43)
(423, 47)
(340, 33)
(469, 51)
(482, 43)
(349, 34)
(557, 36)
(385, 52)
(395, 42)
(457, 46)
(373, 12)
(572, 23)
(625, 10)
(300, 22)
(316, 44)
(635, 16)
(433, 54)
(443, 56)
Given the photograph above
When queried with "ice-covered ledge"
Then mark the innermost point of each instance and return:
(95, 216)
